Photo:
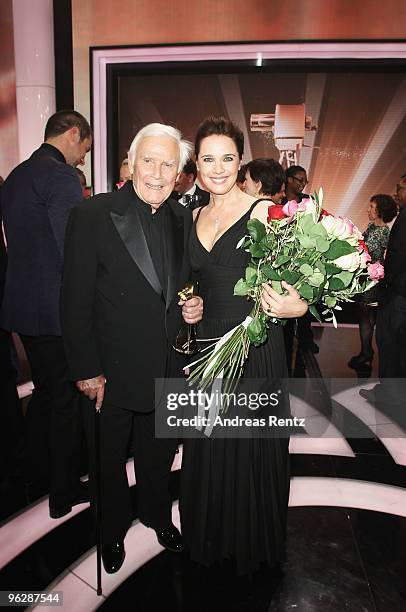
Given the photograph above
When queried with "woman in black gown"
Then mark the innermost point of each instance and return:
(234, 492)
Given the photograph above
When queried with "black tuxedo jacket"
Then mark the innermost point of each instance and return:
(3, 259)
(115, 319)
(395, 260)
(203, 195)
(36, 200)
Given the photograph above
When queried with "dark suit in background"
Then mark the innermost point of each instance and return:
(36, 201)
(198, 198)
(119, 316)
(391, 317)
(11, 416)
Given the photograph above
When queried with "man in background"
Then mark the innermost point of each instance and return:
(11, 416)
(187, 191)
(86, 190)
(296, 181)
(125, 173)
(36, 200)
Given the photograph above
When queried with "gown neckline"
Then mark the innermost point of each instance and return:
(249, 211)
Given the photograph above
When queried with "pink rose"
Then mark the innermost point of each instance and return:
(376, 271)
(365, 258)
(291, 208)
(353, 228)
(307, 203)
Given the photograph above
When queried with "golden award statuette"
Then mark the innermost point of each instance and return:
(186, 342)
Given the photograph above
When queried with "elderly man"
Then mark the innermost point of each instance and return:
(126, 258)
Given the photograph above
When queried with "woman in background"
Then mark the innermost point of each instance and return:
(381, 210)
(265, 178)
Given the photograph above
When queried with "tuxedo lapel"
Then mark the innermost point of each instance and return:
(175, 250)
(128, 225)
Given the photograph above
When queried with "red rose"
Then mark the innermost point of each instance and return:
(324, 213)
(362, 247)
(275, 212)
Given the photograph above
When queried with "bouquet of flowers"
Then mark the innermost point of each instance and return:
(323, 256)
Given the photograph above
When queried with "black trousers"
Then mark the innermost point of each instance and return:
(11, 416)
(391, 341)
(153, 457)
(53, 428)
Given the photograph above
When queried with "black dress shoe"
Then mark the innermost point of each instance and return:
(113, 556)
(170, 538)
(360, 361)
(56, 512)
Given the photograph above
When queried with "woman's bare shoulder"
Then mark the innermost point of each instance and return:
(260, 211)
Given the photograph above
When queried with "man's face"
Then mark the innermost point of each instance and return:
(76, 148)
(298, 182)
(400, 194)
(155, 169)
(125, 173)
(184, 182)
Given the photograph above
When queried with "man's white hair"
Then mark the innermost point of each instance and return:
(159, 129)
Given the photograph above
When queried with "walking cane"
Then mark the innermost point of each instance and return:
(98, 499)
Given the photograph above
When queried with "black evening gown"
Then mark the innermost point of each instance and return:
(234, 492)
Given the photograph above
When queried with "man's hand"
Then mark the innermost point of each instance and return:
(283, 306)
(93, 388)
(192, 310)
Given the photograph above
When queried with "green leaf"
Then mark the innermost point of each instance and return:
(346, 277)
(331, 269)
(322, 245)
(290, 276)
(306, 242)
(256, 229)
(256, 331)
(318, 230)
(281, 259)
(313, 310)
(251, 276)
(270, 272)
(268, 241)
(306, 270)
(241, 288)
(257, 250)
(300, 261)
(321, 267)
(330, 301)
(306, 224)
(335, 283)
(306, 291)
(316, 279)
(277, 286)
(338, 248)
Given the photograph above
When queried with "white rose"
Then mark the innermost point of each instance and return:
(309, 207)
(328, 223)
(350, 262)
